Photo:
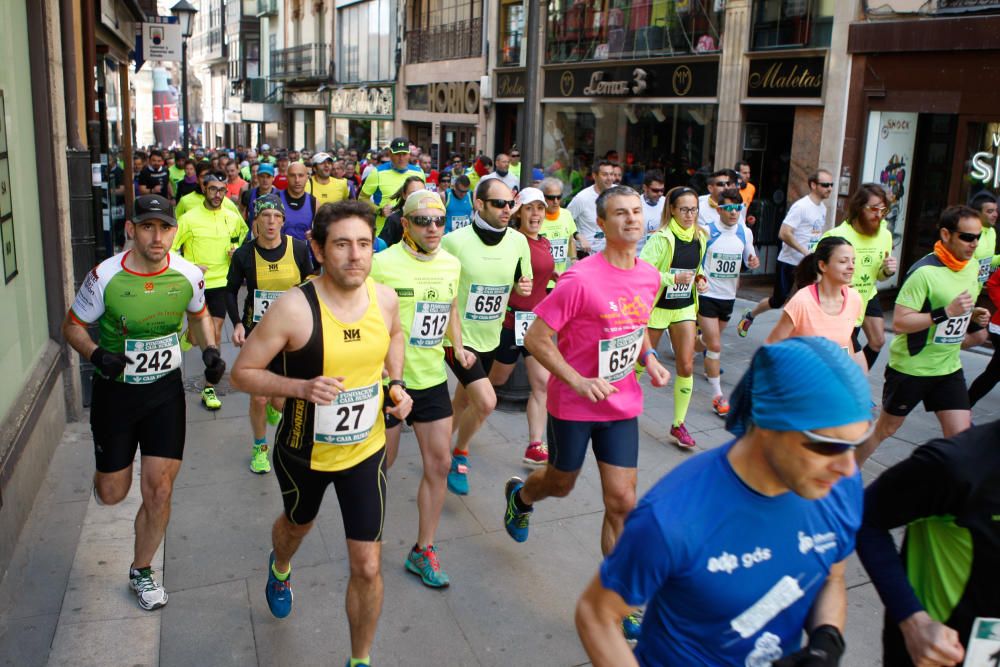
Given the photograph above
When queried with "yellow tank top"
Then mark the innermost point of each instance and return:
(277, 276)
(341, 435)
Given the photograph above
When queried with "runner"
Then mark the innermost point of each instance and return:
(196, 199)
(335, 334)
(825, 304)
(322, 185)
(269, 265)
(945, 494)
(501, 170)
(300, 206)
(729, 246)
(988, 379)
(708, 205)
(584, 211)
(800, 231)
(265, 180)
(598, 312)
(425, 278)
(741, 548)
(188, 182)
(558, 227)
(677, 251)
(392, 230)
(138, 299)
(872, 242)
(235, 185)
(519, 317)
(986, 252)
(388, 178)
(458, 202)
(494, 260)
(934, 318)
(652, 203)
(281, 171)
(154, 178)
(207, 236)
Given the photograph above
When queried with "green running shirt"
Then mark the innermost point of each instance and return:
(193, 200)
(986, 257)
(869, 254)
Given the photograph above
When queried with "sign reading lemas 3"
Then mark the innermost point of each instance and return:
(698, 79)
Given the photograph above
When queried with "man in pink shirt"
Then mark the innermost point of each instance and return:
(599, 309)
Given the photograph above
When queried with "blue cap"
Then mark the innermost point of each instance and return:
(537, 174)
(266, 168)
(800, 384)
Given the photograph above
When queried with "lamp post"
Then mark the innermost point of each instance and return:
(184, 11)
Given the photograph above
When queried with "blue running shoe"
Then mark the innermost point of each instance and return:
(514, 520)
(632, 626)
(279, 593)
(458, 476)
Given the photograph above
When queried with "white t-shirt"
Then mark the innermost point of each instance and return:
(583, 208)
(727, 250)
(707, 214)
(807, 221)
(653, 215)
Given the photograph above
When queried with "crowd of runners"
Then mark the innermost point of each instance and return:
(367, 281)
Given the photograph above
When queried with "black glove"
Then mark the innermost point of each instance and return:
(215, 367)
(110, 364)
(824, 649)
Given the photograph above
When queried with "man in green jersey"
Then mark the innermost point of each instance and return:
(558, 226)
(138, 299)
(873, 261)
(495, 259)
(387, 178)
(426, 280)
(987, 259)
(934, 318)
(207, 236)
(195, 199)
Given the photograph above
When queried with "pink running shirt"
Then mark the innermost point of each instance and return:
(809, 319)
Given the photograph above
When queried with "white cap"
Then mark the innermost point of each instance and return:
(265, 147)
(528, 195)
(320, 158)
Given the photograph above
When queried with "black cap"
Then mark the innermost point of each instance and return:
(399, 145)
(154, 207)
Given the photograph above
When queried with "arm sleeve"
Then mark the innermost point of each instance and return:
(234, 280)
(921, 486)
(182, 235)
(641, 561)
(655, 250)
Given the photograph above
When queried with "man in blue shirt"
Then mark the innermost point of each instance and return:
(739, 549)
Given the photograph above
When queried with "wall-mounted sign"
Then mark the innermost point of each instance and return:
(786, 77)
(305, 99)
(510, 84)
(694, 79)
(454, 97)
(161, 41)
(374, 102)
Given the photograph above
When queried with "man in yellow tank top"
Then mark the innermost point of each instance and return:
(334, 335)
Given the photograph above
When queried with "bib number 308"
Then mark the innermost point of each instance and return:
(617, 356)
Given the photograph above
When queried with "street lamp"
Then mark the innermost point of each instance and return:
(184, 11)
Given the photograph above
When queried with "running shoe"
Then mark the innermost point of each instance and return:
(149, 591)
(273, 416)
(681, 436)
(425, 565)
(209, 399)
(258, 460)
(278, 593)
(514, 520)
(744, 326)
(536, 454)
(458, 476)
(720, 406)
(632, 625)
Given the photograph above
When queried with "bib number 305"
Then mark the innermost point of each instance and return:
(151, 359)
(617, 356)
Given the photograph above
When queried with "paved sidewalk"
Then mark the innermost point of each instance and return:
(65, 599)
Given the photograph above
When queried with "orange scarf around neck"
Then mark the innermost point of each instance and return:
(947, 258)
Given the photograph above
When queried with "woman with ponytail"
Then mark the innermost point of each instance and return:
(825, 304)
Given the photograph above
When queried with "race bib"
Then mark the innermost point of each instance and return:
(617, 356)
(522, 320)
(430, 319)
(349, 419)
(459, 221)
(151, 359)
(724, 265)
(952, 330)
(677, 291)
(985, 269)
(559, 249)
(262, 300)
(486, 302)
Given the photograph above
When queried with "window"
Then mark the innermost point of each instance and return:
(511, 31)
(611, 29)
(367, 42)
(444, 30)
(779, 24)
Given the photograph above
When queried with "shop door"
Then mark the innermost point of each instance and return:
(420, 135)
(932, 172)
(767, 146)
(506, 126)
(459, 139)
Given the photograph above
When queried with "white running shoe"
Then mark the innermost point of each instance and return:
(149, 591)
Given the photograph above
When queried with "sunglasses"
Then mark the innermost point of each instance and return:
(827, 446)
(827, 184)
(876, 209)
(426, 220)
(515, 155)
(553, 197)
(657, 191)
(969, 237)
(731, 208)
(500, 203)
(721, 184)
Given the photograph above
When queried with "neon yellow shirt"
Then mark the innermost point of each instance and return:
(205, 238)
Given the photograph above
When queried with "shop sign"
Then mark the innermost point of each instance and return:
(161, 41)
(986, 165)
(786, 77)
(375, 102)
(310, 99)
(454, 97)
(510, 84)
(693, 79)
(889, 162)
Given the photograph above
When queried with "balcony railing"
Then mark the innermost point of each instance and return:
(462, 39)
(267, 7)
(302, 63)
(262, 90)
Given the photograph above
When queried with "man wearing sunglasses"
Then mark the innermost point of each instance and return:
(800, 231)
(708, 205)
(739, 549)
(653, 187)
(558, 226)
(934, 319)
(494, 261)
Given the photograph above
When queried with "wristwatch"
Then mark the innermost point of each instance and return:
(397, 383)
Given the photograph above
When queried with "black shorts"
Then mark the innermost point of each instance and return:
(874, 308)
(124, 417)
(215, 299)
(902, 392)
(479, 370)
(360, 492)
(721, 309)
(615, 442)
(509, 351)
(429, 405)
(784, 283)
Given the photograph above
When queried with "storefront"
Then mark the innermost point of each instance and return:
(306, 117)
(361, 117)
(508, 105)
(443, 118)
